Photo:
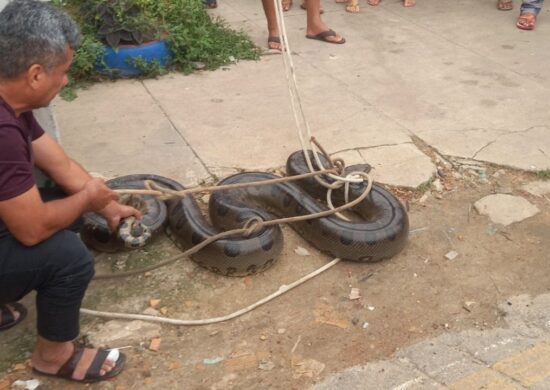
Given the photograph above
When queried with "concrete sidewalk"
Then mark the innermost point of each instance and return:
(455, 74)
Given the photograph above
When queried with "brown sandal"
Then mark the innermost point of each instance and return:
(93, 373)
(505, 5)
(323, 36)
(7, 319)
(526, 21)
(274, 41)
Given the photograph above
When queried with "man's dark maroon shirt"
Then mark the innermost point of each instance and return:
(16, 159)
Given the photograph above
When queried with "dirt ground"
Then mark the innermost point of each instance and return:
(316, 329)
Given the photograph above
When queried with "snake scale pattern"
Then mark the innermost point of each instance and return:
(378, 230)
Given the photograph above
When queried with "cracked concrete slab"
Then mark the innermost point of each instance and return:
(402, 164)
(529, 149)
(490, 346)
(399, 165)
(505, 209)
(439, 361)
(472, 140)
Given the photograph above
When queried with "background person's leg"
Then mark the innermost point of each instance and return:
(315, 24)
(273, 35)
(528, 14)
(531, 6)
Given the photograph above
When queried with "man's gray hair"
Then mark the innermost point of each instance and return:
(33, 32)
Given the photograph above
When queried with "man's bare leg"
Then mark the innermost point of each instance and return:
(272, 28)
(315, 25)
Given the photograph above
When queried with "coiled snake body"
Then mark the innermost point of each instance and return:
(381, 232)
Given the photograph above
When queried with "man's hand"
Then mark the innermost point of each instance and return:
(115, 211)
(98, 194)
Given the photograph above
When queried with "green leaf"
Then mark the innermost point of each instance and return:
(113, 39)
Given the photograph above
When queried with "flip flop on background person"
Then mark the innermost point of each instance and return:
(526, 21)
(528, 14)
(274, 43)
(287, 4)
(406, 3)
(326, 36)
(505, 5)
(315, 27)
(11, 314)
(210, 3)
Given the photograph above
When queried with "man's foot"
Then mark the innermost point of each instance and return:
(409, 3)
(505, 5)
(11, 314)
(526, 21)
(327, 36)
(69, 361)
(286, 5)
(373, 2)
(274, 43)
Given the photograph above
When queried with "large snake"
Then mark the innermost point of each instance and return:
(380, 232)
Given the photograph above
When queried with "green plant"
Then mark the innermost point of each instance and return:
(191, 34)
(425, 186)
(194, 37)
(544, 174)
(83, 68)
(148, 69)
(119, 21)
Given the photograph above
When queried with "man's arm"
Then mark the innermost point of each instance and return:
(50, 157)
(71, 177)
(31, 221)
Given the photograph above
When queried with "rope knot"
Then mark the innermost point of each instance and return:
(253, 225)
(164, 193)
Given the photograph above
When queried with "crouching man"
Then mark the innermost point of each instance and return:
(36, 252)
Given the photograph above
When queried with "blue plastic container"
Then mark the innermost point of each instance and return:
(118, 61)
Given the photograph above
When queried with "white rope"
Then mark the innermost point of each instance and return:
(297, 108)
(282, 289)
